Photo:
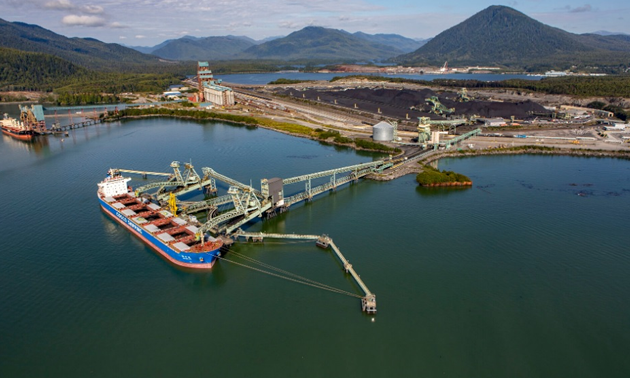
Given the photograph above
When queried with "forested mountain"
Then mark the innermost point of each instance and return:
(85, 52)
(20, 70)
(231, 47)
(320, 43)
(403, 44)
(500, 35)
(210, 48)
(27, 71)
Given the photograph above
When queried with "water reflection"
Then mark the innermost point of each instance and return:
(39, 145)
(198, 279)
(440, 191)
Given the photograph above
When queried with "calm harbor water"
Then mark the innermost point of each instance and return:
(523, 275)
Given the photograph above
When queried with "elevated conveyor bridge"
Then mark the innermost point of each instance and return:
(243, 203)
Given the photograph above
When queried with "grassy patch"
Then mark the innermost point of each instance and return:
(430, 176)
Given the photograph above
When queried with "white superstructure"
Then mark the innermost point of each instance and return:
(113, 185)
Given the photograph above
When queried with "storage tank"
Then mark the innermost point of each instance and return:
(383, 132)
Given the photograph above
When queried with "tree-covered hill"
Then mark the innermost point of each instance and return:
(398, 41)
(20, 70)
(27, 71)
(86, 52)
(210, 48)
(502, 36)
(320, 43)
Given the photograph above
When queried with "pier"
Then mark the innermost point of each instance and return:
(56, 128)
(243, 203)
(368, 301)
(226, 214)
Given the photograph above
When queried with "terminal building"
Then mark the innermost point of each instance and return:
(210, 89)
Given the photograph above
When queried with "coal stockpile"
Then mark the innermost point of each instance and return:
(492, 109)
(412, 103)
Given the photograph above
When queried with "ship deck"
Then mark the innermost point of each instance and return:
(172, 231)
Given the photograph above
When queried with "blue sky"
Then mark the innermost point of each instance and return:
(149, 22)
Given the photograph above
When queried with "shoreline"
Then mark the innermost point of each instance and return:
(532, 150)
(415, 167)
(330, 142)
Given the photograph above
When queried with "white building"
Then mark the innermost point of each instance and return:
(218, 94)
(211, 89)
(615, 127)
(494, 122)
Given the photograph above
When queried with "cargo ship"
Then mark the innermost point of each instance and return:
(176, 239)
(16, 128)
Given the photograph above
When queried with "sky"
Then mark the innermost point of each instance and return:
(150, 22)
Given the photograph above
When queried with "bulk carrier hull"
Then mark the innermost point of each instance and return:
(189, 260)
(21, 135)
(173, 238)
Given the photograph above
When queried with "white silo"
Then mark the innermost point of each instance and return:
(383, 132)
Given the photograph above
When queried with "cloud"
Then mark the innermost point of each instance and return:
(67, 5)
(59, 5)
(117, 25)
(92, 9)
(585, 8)
(140, 36)
(288, 25)
(77, 20)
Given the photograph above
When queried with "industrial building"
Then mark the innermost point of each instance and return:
(494, 122)
(210, 89)
(33, 117)
(615, 127)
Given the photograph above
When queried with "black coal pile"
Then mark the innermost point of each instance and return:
(406, 103)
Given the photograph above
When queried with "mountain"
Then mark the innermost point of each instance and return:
(269, 39)
(606, 32)
(398, 41)
(85, 52)
(210, 48)
(318, 43)
(500, 35)
(151, 49)
(171, 52)
(21, 70)
(613, 42)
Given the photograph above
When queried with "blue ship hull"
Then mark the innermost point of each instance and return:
(203, 260)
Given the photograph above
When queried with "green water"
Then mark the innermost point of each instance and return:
(523, 275)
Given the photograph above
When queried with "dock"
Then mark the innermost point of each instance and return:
(368, 301)
(243, 203)
(226, 214)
